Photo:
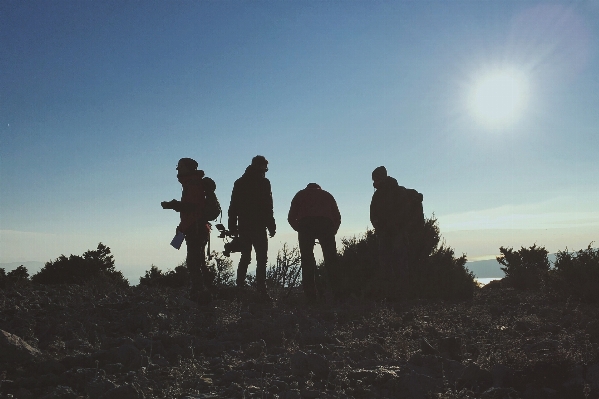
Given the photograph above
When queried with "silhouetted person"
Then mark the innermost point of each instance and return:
(250, 215)
(397, 217)
(193, 225)
(314, 215)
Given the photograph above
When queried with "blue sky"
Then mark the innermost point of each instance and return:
(98, 101)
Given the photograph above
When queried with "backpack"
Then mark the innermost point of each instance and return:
(212, 208)
(413, 205)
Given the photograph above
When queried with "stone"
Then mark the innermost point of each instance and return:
(14, 349)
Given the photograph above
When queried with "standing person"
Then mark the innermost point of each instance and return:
(250, 215)
(314, 215)
(193, 225)
(396, 215)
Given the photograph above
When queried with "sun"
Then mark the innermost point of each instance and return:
(498, 98)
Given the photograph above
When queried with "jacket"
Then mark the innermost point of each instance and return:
(313, 201)
(192, 200)
(251, 204)
(394, 209)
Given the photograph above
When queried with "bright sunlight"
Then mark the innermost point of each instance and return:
(497, 99)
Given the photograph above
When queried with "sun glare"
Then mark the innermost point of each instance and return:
(497, 99)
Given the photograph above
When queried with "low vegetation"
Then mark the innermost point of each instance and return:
(76, 329)
(92, 265)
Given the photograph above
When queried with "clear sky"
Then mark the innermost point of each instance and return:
(488, 108)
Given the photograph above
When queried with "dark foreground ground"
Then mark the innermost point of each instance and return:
(98, 342)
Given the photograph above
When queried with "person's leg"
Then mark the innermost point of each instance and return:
(306, 246)
(329, 253)
(194, 258)
(260, 243)
(196, 264)
(246, 257)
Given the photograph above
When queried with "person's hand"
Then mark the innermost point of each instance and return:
(272, 232)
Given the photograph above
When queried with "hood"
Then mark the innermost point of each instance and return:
(254, 172)
(385, 183)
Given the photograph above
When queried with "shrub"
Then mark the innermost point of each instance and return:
(526, 268)
(16, 276)
(285, 272)
(97, 264)
(284, 275)
(357, 261)
(220, 270)
(172, 278)
(577, 273)
(220, 274)
(434, 271)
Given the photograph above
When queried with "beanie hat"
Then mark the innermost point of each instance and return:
(259, 160)
(188, 163)
(379, 173)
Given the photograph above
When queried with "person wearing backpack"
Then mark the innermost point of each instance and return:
(193, 225)
(397, 217)
(250, 216)
(314, 215)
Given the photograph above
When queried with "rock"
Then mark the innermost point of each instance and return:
(427, 348)
(421, 386)
(451, 347)
(255, 349)
(500, 393)
(303, 364)
(15, 350)
(127, 391)
(502, 375)
(99, 386)
(61, 392)
(293, 394)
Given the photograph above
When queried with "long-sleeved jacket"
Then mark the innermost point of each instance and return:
(394, 209)
(191, 206)
(313, 201)
(251, 202)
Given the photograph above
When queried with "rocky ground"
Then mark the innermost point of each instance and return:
(100, 342)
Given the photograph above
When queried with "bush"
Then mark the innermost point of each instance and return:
(75, 269)
(16, 276)
(220, 270)
(284, 275)
(220, 274)
(434, 271)
(525, 269)
(577, 273)
(172, 278)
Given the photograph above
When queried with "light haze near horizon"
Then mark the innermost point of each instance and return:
(99, 100)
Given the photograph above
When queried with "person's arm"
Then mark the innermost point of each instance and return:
(292, 215)
(270, 225)
(233, 209)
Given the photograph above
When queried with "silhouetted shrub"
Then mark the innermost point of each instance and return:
(526, 268)
(285, 272)
(357, 263)
(434, 271)
(220, 274)
(220, 269)
(283, 275)
(577, 273)
(16, 276)
(172, 278)
(92, 265)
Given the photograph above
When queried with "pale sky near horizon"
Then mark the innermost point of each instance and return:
(487, 108)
